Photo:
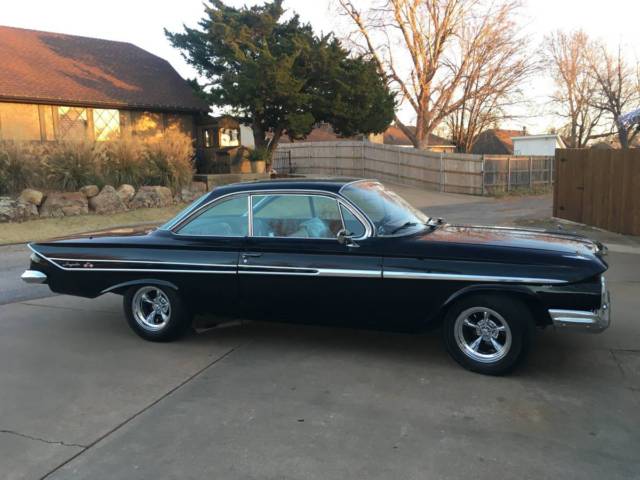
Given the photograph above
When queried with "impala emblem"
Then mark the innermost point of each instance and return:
(88, 265)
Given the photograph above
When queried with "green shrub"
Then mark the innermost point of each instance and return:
(122, 161)
(169, 161)
(19, 166)
(70, 165)
(67, 166)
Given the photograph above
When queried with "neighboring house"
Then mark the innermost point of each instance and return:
(537, 145)
(496, 142)
(323, 132)
(395, 136)
(62, 87)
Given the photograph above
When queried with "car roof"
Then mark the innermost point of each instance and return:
(333, 184)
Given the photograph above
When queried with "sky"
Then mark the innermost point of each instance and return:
(141, 22)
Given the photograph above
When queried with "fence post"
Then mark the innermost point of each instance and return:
(482, 177)
(442, 188)
(362, 156)
(508, 174)
(398, 155)
(530, 173)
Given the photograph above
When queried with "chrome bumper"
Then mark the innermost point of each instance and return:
(33, 276)
(583, 320)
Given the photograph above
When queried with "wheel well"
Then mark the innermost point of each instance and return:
(535, 305)
(121, 288)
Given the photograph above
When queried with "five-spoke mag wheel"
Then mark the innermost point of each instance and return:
(488, 333)
(156, 312)
(151, 308)
(482, 334)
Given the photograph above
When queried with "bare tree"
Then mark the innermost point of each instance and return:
(463, 55)
(568, 56)
(617, 90)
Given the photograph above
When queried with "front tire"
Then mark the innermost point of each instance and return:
(156, 313)
(488, 334)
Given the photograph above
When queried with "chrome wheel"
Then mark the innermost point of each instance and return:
(151, 308)
(482, 334)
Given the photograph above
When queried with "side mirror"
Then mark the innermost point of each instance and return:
(344, 238)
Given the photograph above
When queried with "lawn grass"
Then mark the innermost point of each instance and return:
(45, 228)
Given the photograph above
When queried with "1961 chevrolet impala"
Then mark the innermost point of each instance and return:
(340, 252)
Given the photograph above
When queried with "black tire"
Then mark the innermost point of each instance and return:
(461, 331)
(172, 323)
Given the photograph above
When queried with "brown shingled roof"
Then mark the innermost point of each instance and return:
(394, 136)
(495, 142)
(43, 67)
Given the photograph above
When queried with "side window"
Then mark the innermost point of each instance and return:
(351, 223)
(296, 216)
(227, 218)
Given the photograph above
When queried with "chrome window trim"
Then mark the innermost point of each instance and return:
(312, 193)
(186, 212)
(194, 214)
(352, 208)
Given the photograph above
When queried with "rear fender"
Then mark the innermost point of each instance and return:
(120, 288)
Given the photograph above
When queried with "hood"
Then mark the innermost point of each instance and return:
(503, 237)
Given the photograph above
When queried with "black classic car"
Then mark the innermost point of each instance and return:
(340, 252)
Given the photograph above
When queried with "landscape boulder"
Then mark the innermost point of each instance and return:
(193, 191)
(65, 204)
(148, 197)
(107, 201)
(90, 191)
(126, 192)
(29, 195)
(16, 211)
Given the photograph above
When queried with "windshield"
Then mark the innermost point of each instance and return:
(390, 213)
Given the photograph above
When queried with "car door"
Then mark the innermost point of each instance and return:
(294, 268)
(210, 241)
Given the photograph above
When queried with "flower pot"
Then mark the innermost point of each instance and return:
(245, 166)
(258, 166)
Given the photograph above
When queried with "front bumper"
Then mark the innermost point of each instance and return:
(33, 276)
(583, 320)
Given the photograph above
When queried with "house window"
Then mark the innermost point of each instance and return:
(229, 137)
(106, 124)
(208, 137)
(72, 123)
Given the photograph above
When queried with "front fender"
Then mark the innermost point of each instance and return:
(524, 293)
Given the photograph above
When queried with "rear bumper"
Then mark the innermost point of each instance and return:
(583, 320)
(33, 276)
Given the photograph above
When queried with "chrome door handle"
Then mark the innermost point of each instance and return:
(246, 256)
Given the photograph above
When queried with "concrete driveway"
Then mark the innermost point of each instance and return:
(81, 397)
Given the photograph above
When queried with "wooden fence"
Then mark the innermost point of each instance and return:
(447, 172)
(599, 188)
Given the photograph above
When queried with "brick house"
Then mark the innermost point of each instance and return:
(63, 87)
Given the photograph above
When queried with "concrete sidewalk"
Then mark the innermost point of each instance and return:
(82, 397)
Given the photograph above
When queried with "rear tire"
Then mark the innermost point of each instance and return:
(156, 313)
(489, 334)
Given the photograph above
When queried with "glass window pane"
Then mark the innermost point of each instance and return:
(299, 216)
(228, 137)
(354, 227)
(227, 218)
(72, 123)
(106, 124)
